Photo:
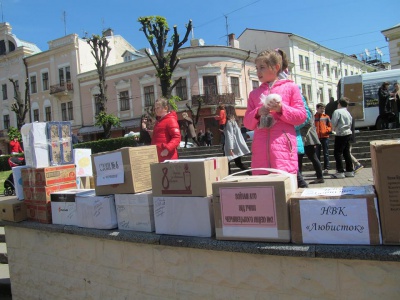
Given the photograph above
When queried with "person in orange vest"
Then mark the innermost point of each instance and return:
(324, 128)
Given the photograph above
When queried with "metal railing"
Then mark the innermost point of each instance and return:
(59, 88)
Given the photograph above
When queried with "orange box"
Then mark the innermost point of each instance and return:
(33, 177)
(41, 195)
(39, 212)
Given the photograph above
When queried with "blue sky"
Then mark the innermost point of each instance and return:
(344, 25)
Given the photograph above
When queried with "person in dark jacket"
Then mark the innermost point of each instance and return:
(145, 137)
(208, 137)
(331, 107)
(190, 132)
(385, 108)
(166, 133)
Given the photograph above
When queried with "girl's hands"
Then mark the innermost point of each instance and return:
(262, 111)
(164, 153)
(274, 105)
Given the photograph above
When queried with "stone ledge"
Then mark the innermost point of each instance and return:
(360, 252)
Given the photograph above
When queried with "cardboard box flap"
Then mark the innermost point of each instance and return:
(384, 144)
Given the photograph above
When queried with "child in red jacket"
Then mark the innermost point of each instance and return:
(324, 128)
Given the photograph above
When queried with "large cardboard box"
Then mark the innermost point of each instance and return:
(385, 158)
(17, 176)
(252, 208)
(41, 195)
(36, 148)
(335, 215)
(123, 171)
(83, 162)
(190, 216)
(60, 143)
(63, 207)
(13, 210)
(39, 177)
(39, 212)
(188, 177)
(96, 211)
(135, 211)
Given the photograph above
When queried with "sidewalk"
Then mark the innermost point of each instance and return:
(363, 177)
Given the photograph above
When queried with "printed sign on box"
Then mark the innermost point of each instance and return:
(109, 169)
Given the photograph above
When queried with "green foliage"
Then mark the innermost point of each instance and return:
(13, 133)
(107, 145)
(172, 102)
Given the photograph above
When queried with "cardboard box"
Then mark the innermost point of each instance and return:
(60, 143)
(96, 211)
(39, 212)
(123, 171)
(17, 176)
(63, 207)
(385, 155)
(36, 150)
(253, 208)
(190, 216)
(39, 177)
(41, 195)
(135, 211)
(83, 162)
(192, 177)
(13, 210)
(337, 215)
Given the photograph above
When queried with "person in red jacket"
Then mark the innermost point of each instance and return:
(324, 128)
(16, 146)
(166, 133)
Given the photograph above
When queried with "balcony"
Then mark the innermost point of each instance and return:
(214, 99)
(61, 89)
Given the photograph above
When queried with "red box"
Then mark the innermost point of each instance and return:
(41, 195)
(39, 212)
(39, 177)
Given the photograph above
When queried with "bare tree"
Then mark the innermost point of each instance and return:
(156, 30)
(101, 51)
(20, 106)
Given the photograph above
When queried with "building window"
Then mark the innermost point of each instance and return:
(210, 85)
(16, 88)
(301, 61)
(319, 67)
(307, 63)
(303, 89)
(47, 111)
(351, 72)
(35, 115)
(45, 81)
(330, 93)
(6, 120)
(181, 90)
(67, 111)
(336, 73)
(321, 95)
(235, 86)
(255, 84)
(345, 72)
(64, 75)
(328, 70)
(4, 90)
(33, 85)
(309, 92)
(124, 100)
(148, 95)
(97, 104)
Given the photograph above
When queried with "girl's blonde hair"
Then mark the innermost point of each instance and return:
(271, 58)
(163, 102)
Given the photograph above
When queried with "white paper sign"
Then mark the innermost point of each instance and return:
(334, 221)
(109, 168)
(336, 191)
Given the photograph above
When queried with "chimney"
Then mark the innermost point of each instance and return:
(234, 43)
(108, 32)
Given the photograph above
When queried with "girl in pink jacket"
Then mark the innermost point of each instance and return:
(274, 146)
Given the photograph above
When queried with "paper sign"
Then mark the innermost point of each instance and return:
(109, 168)
(334, 221)
(336, 191)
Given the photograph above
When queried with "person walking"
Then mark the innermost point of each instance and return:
(200, 137)
(166, 133)
(235, 145)
(324, 128)
(189, 127)
(331, 107)
(275, 146)
(357, 166)
(341, 124)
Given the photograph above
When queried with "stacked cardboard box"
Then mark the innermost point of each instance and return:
(84, 170)
(39, 183)
(182, 191)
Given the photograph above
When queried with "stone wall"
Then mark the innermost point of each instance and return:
(53, 265)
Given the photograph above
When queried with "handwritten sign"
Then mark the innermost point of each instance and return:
(335, 221)
(337, 191)
(109, 169)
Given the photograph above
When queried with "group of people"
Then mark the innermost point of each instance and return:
(274, 143)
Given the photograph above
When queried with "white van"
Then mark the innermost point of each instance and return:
(362, 90)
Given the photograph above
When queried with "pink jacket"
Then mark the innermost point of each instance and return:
(276, 147)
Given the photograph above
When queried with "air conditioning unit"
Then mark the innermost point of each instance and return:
(196, 42)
